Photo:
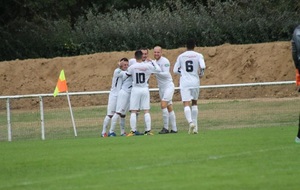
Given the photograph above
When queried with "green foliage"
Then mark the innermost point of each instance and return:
(128, 25)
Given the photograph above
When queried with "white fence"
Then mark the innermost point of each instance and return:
(41, 104)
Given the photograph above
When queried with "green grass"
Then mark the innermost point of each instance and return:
(238, 158)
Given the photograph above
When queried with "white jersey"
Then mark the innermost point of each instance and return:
(131, 61)
(127, 83)
(117, 81)
(164, 77)
(188, 65)
(140, 73)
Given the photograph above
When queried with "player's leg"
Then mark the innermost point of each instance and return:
(165, 115)
(122, 108)
(111, 108)
(113, 124)
(186, 98)
(122, 125)
(134, 107)
(195, 95)
(145, 105)
(195, 115)
(166, 95)
(172, 118)
(297, 140)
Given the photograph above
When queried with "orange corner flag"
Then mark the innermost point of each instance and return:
(61, 85)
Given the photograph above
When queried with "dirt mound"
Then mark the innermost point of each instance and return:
(226, 64)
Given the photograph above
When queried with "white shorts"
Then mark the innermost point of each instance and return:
(123, 102)
(166, 93)
(111, 105)
(140, 99)
(188, 94)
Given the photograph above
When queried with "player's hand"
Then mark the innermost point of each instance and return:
(201, 74)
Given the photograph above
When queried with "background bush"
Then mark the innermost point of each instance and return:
(168, 24)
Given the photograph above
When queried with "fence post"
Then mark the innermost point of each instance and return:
(8, 120)
(42, 118)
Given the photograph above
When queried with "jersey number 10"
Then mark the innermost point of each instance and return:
(140, 78)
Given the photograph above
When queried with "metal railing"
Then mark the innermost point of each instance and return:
(41, 96)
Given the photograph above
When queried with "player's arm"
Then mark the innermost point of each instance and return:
(165, 70)
(176, 69)
(202, 66)
(125, 75)
(154, 67)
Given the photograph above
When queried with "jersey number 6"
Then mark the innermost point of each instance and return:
(189, 66)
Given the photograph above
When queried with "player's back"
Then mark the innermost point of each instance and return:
(141, 73)
(189, 63)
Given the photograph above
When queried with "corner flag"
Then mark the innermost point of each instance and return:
(61, 85)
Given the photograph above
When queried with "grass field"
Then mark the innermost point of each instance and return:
(242, 144)
(237, 158)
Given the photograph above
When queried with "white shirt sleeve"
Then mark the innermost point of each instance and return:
(176, 68)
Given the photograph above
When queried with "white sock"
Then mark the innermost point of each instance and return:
(133, 121)
(187, 113)
(195, 115)
(113, 123)
(147, 121)
(122, 124)
(165, 114)
(105, 124)
(172, 119)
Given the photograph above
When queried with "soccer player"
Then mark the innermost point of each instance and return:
(296, 57)
(122, 106)
(115, 88)
(140, 95)
(166, 91)
(190, 66)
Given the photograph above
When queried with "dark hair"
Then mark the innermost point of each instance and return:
(138, 54)
(190, 44)
(124, 59)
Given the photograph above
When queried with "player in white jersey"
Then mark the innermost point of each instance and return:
(166, 91)
(190, 66)
(115, 88)
(140, 95)
(122, 106)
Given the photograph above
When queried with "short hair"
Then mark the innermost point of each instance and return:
(190, 44)
(138, 54)
(144, 48)
(124, 59)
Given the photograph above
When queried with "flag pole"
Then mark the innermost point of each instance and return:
(72, 117)
(61, 86)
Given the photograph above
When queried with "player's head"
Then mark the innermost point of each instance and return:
(145, 53)
(190, 44)
(157, 52)
(138, 55)
(123, 64)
